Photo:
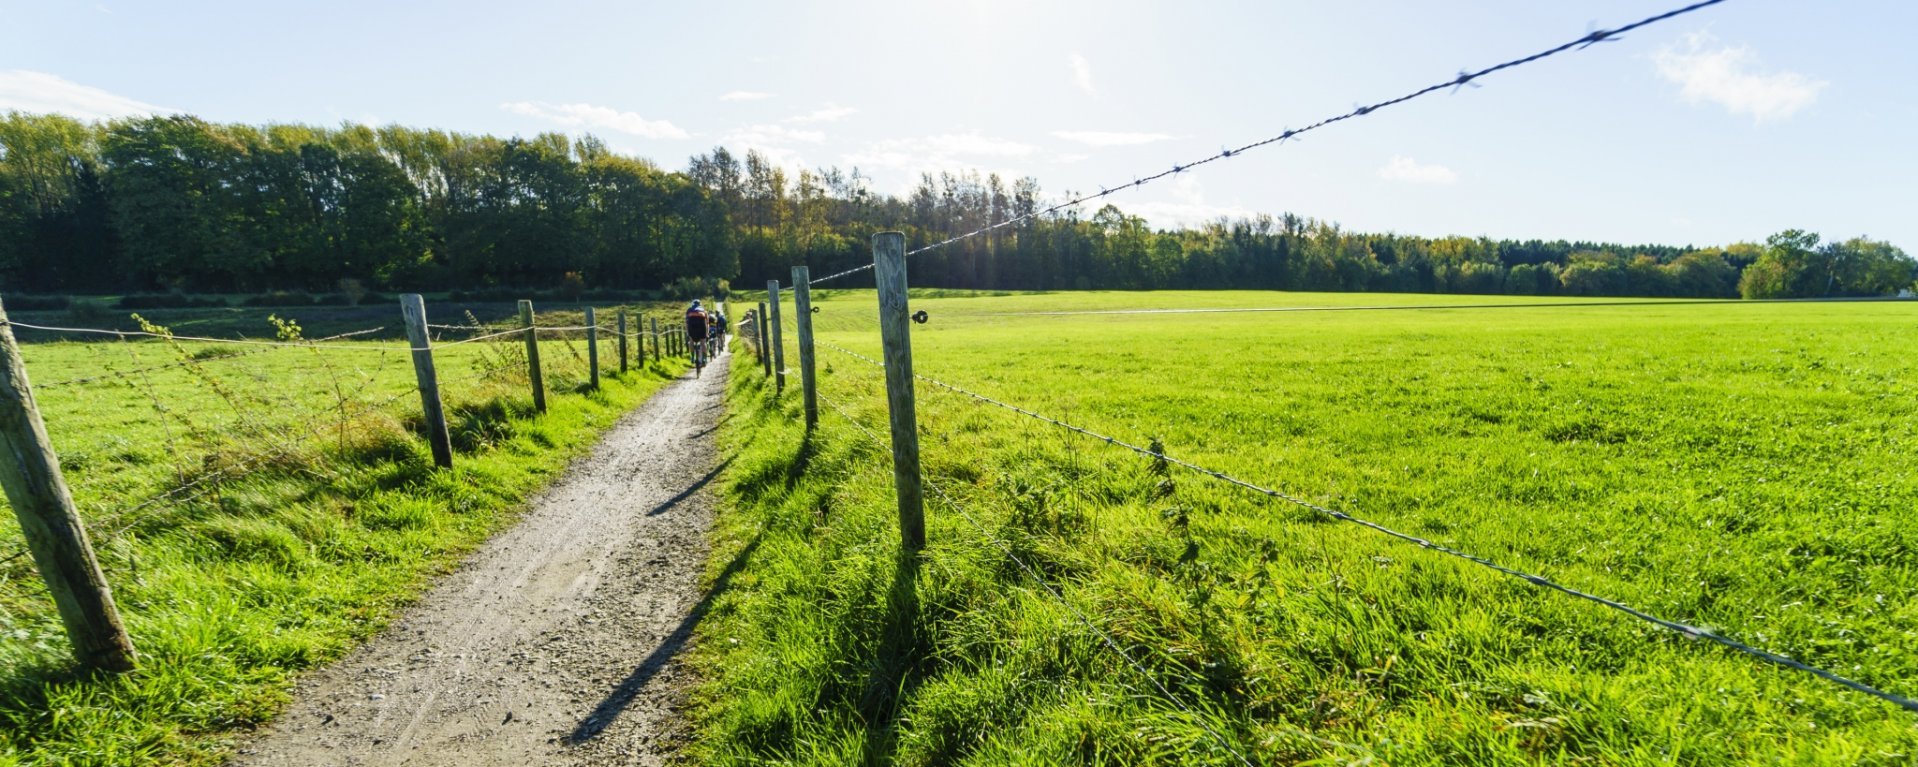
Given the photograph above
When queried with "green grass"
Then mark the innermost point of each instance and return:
(313, 514)
(1745, 468)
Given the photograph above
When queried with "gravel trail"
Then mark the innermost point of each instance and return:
(557, 641)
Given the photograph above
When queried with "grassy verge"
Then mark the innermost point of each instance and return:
(324, 517)
(1736, 467)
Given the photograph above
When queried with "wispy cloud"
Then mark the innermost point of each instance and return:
(1411, 171)
(1187, 208)
(773, 134)
(1109, 138)
(1727, 75)
(596, 117)
(944, 152)
(38, 92)
(745, 96)
(1082, 74)
(830, 113)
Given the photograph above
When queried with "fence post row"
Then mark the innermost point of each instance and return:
(592, 345)
(622, 341)
(765, 354)
(532, 355)
(413, 308)
(802, 308)
(779, 345)
(51, 523)
(895, 332)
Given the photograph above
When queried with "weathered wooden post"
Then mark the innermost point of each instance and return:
(532, 355)
(30, 472)
(765, 354)
(659, 355)
(413, 308)
(592, 345)
(802, 310)
(895, 332)
(779, 346)
(622, 340)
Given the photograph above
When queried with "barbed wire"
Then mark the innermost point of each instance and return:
(183, 363)
(1460, 80)
(1536, 580)
(1104, 636)
(202, 339)
(1649, 303)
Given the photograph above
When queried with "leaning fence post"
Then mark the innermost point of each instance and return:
(532, 355)
(895, 332)
(779, 346)
(413, 308)
(51, 524)
(759, 343)
(802, 310)
(622, 340)
(592, 345)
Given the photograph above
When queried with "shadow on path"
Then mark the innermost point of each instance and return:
(622, 696)
(669, 503)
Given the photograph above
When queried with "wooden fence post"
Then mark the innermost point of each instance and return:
(413, 308)
(622, 340)
(30, 472)
(802, 311)
(895, 332)
(779, 345)
(765, 354)
(658, 355)
(592, 345)
(532, 355)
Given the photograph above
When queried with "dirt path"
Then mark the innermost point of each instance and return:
(556, 642)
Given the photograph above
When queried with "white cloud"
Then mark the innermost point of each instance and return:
(1082, 74)
(944, 152)
(596, 117)
(1727, 75)
(1070, 157)
(745, 96)
(39, 93)
(1411, 171)
(772, 134)
(1108, 138)
(1187, 208)
(827, 114)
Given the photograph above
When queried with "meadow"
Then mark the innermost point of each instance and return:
(1741, 467)
(297, 508)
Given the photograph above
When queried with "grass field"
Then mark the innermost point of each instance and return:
(302, 509)
(1744, 468)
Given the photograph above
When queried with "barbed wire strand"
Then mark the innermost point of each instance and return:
(1463, 78)
(183, 363)
(203, 339)
(1646, 304)
(1058, 596)
(1536, 580)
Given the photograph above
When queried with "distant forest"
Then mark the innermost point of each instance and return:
(180, 204)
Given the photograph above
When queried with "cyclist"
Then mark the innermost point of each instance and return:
(719, 330)
(696, 327)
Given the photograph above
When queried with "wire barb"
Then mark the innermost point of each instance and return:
(1361, 110)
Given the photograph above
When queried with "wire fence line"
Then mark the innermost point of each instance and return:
(1684, 629)
(1455, 82)
(1058, 596)
(184, 363)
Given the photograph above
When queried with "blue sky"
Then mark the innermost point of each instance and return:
(1728, 124)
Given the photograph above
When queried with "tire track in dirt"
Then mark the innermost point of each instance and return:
(558, 641)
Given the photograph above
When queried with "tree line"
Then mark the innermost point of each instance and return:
(180, 204)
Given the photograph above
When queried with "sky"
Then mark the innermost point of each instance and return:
(1728, 124)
